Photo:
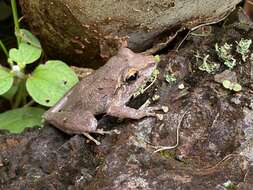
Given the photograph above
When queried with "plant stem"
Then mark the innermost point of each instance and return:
(4, 48)
(20, 94)
(30, 103)
(15, 18)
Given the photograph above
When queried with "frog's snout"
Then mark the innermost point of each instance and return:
(150, 64)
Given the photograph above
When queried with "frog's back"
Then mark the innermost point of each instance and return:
(92, 94)
(95, 91)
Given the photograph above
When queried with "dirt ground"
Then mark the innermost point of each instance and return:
(215, 128)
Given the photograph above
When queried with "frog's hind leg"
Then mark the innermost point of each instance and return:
(75, 122)
(86, 123)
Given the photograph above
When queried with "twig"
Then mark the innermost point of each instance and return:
(201, 25)
(207, 170)
(29, 103)
(215, 119)
(162, 148)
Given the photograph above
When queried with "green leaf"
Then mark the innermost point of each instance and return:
(11, 92)
(28, 37)
(49, 82)
(6, 80)
(226, 84)
(225, 53)
(25, 54)
(17, 120)
(237, 87)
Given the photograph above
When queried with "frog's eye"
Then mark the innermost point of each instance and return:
(132, 77)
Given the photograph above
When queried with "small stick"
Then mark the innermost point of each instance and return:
(161, 148)
(201, 25)
(208, 170)
(215, 119)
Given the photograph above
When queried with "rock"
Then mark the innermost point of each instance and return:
(88, 32)
(226, 75)
(215, 144)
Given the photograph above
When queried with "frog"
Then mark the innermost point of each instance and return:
(106, 91)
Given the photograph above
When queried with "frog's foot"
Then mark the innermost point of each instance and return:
(101, 132)
(91, 138)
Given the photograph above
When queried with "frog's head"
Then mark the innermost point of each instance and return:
(138, 65)
(137, 71)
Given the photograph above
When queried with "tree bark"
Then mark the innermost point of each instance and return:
(88, 32)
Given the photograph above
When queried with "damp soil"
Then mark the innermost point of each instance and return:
(215, 134)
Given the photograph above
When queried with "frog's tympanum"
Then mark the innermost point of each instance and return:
(106, 91)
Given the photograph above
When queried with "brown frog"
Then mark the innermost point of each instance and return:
(106, 91)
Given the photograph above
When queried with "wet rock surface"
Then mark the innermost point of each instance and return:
(215, 129)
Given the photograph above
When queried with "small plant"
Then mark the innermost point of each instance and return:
(45, 85)
(225, 54)
(157, 58)
(229, 185)
(170, 78)
(243, 48)
(154, 76)
(151, 81)
(232, 86)
(207, 65)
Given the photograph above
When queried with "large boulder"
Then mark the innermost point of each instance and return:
(88, 32)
